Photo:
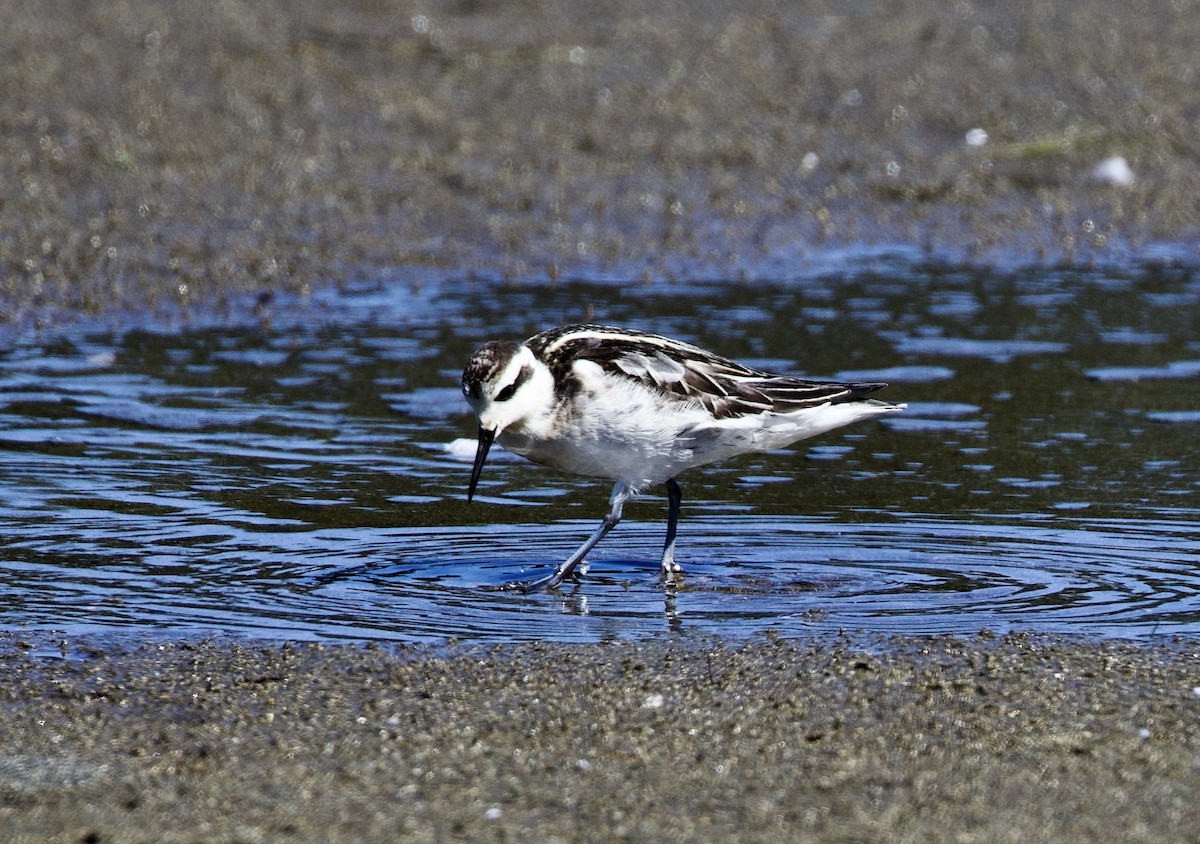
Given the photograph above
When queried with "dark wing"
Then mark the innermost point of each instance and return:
(726, 388)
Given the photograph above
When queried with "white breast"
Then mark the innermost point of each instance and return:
(616, 428)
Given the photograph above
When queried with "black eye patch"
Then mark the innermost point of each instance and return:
(511, 390)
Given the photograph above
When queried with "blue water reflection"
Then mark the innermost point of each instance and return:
(304, 478)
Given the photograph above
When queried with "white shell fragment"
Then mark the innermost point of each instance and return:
(1114, 171)
(976, 137)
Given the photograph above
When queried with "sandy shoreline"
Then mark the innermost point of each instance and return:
(162, 155)
(992, 739)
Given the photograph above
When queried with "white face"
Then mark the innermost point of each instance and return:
(519, 391)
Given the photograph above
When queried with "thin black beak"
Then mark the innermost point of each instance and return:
(481, 452)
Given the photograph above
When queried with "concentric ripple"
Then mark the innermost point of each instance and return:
(307, 481)
(745, 575)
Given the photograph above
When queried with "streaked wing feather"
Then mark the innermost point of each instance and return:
(688, 373)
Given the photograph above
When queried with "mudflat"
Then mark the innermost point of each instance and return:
(988, 739)
(164, 155)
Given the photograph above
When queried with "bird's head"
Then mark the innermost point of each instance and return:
(506, 386)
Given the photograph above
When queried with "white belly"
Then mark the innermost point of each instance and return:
(619, 429)
(623, 432)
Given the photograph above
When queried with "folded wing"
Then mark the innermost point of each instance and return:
(726, 388)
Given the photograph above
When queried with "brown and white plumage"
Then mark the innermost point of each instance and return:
(640, 409)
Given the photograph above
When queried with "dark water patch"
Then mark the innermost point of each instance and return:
(305, 478)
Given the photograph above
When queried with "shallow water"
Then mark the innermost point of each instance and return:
(298, 480)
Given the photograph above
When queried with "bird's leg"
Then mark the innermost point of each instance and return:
(620, 495)
(669, 567)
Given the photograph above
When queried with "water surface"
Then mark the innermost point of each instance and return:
(304, 478)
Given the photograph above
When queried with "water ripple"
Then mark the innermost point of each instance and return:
(746, 574)
(307, 482)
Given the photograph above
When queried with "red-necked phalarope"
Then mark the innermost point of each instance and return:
(640, 409)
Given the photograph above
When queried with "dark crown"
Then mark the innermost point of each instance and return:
(485, 364)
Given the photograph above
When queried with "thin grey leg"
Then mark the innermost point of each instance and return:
(674, 501)
(620, 495)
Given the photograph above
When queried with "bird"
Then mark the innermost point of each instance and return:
(639, 409)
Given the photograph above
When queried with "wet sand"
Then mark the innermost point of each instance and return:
(1009, 739)
(166, 158)
(166, 155)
